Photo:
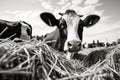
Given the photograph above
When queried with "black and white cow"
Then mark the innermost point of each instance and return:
(69, 31)
(18, 29)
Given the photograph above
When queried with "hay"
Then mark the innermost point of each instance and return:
(35, 60)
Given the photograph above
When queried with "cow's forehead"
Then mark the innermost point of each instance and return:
(70, 16)
(71, 19)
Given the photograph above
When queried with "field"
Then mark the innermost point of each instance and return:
(35, 60)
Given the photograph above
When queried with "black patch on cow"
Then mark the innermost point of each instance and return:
(49, 19)
(11, 30)
(62, 33)
(80, 29)
(62, 24)
(63, 37)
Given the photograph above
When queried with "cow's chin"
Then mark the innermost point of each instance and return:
(70, 53)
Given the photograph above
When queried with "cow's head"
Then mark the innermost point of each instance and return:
(71, 25)
(26, 31)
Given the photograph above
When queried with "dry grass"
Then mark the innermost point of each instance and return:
(34, 60)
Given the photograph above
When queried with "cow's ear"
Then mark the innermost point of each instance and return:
(91, 20)
(49, 19)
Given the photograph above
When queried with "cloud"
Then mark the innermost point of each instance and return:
(76, 2)
(46, 5)
(84, 7)
(88, 2)
(90, 9)
(62, 2)
(98, 12)
(73, 2)
(87, 9)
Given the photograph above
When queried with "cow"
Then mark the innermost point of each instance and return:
(68, 34)
(16, 29)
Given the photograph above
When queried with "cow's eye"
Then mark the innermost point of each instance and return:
(69, 44)
(65, 31)
(62, 24)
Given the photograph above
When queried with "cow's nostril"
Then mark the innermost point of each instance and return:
(65, 51)
(79, 44)
(69, 44)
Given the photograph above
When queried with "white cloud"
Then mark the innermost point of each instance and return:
(73, 2)
(62, 2)
(44, 4)
(87, 2)
(88, 9)
(81, 6)
(76, 2)
(98, 12)
(66, 6)
(47, 5)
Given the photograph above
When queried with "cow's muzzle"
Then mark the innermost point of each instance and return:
(74, 46)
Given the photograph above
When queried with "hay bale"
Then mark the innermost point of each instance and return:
(100, 73)
(97, 73)
(94, 57)
(114, 59)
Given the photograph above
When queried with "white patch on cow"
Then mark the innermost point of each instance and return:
(69, 55)
(24, 35)
(72, 28)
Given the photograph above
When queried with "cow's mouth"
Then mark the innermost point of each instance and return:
(74, 49)
(71, 51)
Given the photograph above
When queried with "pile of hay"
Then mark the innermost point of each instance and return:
(35, 60)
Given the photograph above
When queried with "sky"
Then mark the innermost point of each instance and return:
(107, 29)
